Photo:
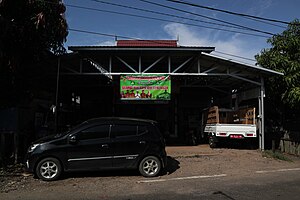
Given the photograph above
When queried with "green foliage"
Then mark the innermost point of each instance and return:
(284, 56)
(27, 29)
(276, 155)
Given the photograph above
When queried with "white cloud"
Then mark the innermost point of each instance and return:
(227, 43)
(260, 7)
(106, 43)
(186, 36)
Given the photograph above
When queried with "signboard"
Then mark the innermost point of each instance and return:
(145, 87)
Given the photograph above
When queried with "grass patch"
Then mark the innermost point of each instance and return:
(276, 155)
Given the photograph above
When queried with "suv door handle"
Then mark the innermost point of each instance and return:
(142, 142)
(104, 145)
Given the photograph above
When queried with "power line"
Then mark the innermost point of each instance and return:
(235, 56)
(230, 59)
(264, 22)
(165, 20)
(165, 14)
(131, 38)
(158, 19)
(176, 16)
(211, 18)
(228, 12)
(102, 34)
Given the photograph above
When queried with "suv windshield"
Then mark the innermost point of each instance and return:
(68, 131)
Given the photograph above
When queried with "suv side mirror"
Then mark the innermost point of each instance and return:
(72, 139)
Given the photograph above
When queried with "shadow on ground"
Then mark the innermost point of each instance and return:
(105, 173)
(172, 166)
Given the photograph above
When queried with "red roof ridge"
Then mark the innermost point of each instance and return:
(147, 43)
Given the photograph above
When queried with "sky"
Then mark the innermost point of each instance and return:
(189, 29)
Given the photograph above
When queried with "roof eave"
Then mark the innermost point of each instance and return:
(123, 48)
(249, 66)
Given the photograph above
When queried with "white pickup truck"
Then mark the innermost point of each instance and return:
(217, 132)
(225, 124)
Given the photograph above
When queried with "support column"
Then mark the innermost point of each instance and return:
(176, 118)
(80, 66)
(169, 64)
(261, 116)
(198, 65)
(56, 95)
(259, 123)
(262, 95)
(140, 64)
(110, 64)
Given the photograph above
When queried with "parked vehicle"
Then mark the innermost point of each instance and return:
(224, 124)
(100, 144)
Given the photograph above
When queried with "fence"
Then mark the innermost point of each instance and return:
(290, 143)
(290, 147)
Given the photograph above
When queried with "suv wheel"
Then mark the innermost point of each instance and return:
(48, 169)
(150, 166)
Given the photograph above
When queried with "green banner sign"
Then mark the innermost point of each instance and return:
(145, 87)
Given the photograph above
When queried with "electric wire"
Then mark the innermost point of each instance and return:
(165, 20)
(230, 59)
(102, 34)
(211, 18)
(131, 38)
(235, 56)
(264, 22)
(228, 12)
(165, 14)
(158, 19)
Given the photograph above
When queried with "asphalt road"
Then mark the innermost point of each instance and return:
(268, 185)
(264, 185)
(197, 173)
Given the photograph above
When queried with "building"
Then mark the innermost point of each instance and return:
(88, 84)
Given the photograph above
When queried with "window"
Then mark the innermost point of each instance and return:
(142, 130)
(121, 130)
(95, 132)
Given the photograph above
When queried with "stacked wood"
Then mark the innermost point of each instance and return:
(216, 115)
(244, 116)
(213, 115)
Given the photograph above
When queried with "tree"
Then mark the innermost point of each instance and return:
(284, 56)
(28, 29)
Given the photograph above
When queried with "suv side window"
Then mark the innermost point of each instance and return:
(123, 130)
(94, 132)
(142, 129)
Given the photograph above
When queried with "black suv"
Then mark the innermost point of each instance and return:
(99, 144)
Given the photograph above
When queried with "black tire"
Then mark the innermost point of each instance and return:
(150, 166)
(212, 142)
(48, 169)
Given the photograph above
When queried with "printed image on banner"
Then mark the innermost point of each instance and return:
(145, 87)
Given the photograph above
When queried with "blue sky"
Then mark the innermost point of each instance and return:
(134, 27)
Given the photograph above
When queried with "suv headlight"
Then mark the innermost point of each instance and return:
(32, 147)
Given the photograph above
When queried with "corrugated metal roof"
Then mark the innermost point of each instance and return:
(137, 48)
(147, 43)
(253, 67)
(179, 49)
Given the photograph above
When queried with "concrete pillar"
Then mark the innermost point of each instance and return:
(261, 116)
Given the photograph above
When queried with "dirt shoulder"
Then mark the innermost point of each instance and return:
(204, 160)
(184, 161)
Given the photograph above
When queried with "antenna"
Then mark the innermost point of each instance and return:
(177, 40)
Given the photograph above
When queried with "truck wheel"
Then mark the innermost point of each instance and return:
(48, 169)
(150, 166)
(212, 142)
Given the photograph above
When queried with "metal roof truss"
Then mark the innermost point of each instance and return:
(165, 64)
